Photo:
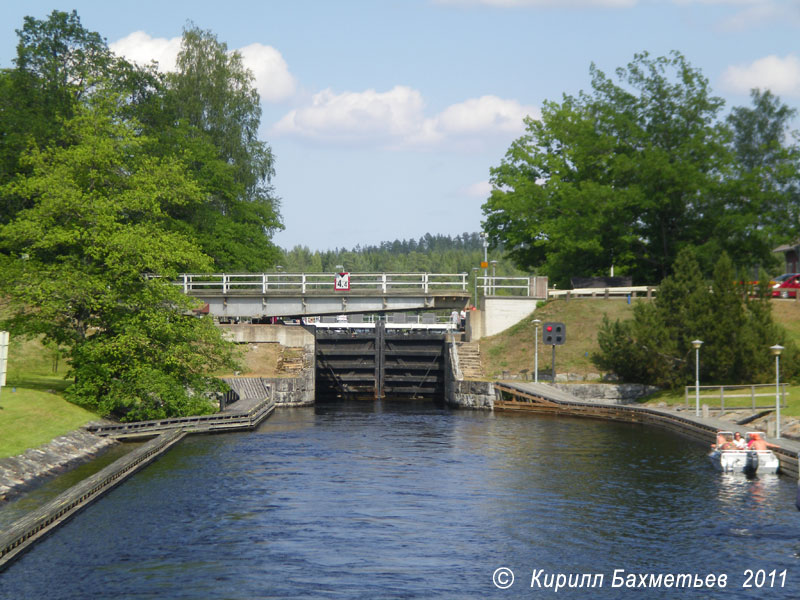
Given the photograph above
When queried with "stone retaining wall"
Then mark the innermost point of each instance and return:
(465, 393)
(470, 394)
(616, 393)
(62, 453)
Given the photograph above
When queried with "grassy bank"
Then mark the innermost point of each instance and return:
(512, 350)
(32, 410)
(30, 418)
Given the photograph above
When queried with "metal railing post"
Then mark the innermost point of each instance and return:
(383, 282)
(303, 282)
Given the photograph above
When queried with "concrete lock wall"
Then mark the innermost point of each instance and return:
(286, 391)
(464, 393)
(500, 313)
(293, 336)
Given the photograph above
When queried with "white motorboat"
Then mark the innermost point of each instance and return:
(726, 457)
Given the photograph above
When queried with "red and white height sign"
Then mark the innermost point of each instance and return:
(342, 282)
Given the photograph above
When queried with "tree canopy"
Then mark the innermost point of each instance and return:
(206, 114)
(114, 179)
(643, 165)
(736, 328)
(77, 267)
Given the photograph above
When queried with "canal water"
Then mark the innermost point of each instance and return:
(409, 500)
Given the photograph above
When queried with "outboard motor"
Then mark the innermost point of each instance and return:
(751, 462)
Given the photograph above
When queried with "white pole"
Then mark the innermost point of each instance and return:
(778, 396)
(3, 358)
(697, 381)
(536, 352)
(696, 344)
(776, 350)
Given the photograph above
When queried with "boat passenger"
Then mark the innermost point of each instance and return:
(756, 442)
(738, 441)
(723, 443)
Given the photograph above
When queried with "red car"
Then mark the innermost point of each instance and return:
(786, 286)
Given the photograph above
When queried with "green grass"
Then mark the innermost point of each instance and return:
(32, 417)
(32, 409)
(792, 408)
(512, 350)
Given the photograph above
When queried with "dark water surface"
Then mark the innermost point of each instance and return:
(398, 500)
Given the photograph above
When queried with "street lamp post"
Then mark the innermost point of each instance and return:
(536, 322)
(485, 238)
(776, 350)
(696, 345)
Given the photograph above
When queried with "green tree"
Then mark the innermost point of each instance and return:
(59, 64)
(765, 193)
(625, 176)
(77, 261)
(737, 329)
(210, 114)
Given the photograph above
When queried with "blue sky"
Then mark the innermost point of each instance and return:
(385, 116)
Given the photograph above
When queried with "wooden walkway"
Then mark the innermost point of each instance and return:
(245, 414)
(533, 397)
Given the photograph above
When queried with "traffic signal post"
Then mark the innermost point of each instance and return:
(555, 334)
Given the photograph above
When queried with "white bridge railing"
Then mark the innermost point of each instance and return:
(384, 283)
(320, 282)
(387, 283)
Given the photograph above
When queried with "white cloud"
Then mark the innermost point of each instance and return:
(352, 116)
(747, 14)
(734, 2)
(545, 3)
(140, 48)
(273, 80)
(482, 116)
(780, 75)
(397, 118)
(481, 189)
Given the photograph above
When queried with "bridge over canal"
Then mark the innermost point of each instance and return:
(293, 295)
